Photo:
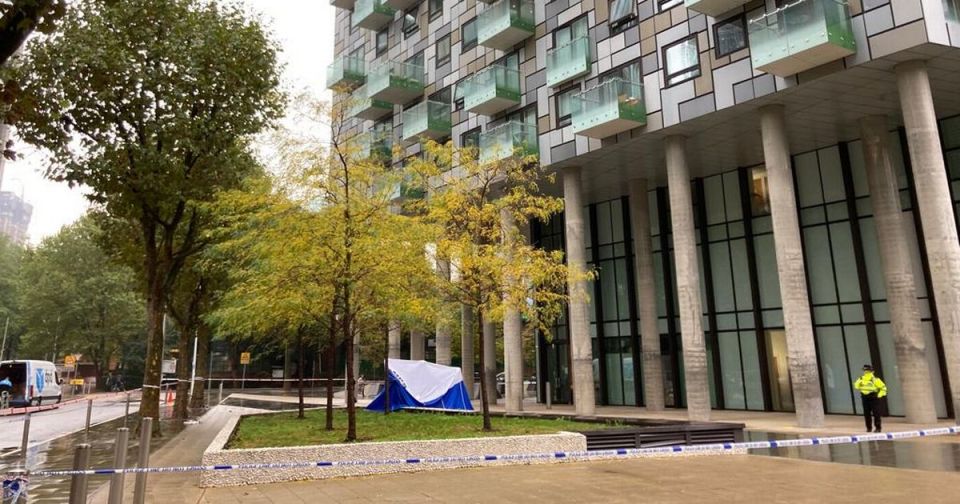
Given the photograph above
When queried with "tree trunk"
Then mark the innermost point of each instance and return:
(150, 402)
(287, 368)
(351, 379)
(331, 357)
(300, 369)
(197, 398)
(484, 400)
(183, 373)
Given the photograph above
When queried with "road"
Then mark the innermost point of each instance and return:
(48, 425)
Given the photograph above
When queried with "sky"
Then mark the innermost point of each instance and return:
(302, 28)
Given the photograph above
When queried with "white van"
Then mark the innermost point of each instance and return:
(33, 382)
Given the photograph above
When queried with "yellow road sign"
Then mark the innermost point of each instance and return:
(76, 381)
(69, 360)
(245, 358)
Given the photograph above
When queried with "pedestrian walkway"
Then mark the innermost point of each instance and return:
(185, 449)
(754, 420)
(733, 478)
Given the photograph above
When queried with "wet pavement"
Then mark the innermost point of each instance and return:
(934, 454)
(58, 454)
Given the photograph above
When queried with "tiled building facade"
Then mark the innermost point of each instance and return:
(747, 123)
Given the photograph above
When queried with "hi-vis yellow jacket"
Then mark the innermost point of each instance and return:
(868, 384)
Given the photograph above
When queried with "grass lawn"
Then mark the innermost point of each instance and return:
(283, 429)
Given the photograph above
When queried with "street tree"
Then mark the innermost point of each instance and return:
(76, 300)
(151, 104)
(20, 18)
(477, 210)
(11, 258)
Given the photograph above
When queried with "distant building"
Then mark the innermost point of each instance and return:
(15, 213)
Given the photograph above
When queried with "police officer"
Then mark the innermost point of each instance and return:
(872, 389)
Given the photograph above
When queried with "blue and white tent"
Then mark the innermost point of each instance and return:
(421, 384)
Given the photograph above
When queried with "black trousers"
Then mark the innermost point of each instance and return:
(871, 411)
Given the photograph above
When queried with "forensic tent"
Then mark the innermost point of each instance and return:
(422, 384)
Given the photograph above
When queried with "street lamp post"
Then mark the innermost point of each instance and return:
(3, 346)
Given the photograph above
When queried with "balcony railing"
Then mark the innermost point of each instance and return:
(372, 14)
(713, 8)
(395, 82)
(510, 139)
(364, 107)
(343, 4)
(568, 61)
(430, 119)
(405, 190)
(800, 36)
(346, 73)
(376, 146)
(506, 24)
(491, 90)
(609, 108)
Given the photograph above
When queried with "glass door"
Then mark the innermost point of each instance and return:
(781, 389)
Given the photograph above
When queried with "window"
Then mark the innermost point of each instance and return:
(759, 191)
(622, 12)
(730, 35)
(442, 96)
(668, 4)
(457, 96)
(470, 138)
(435, 8)
(565, 105)
(416, 59)
(410, 25)
(572, 30)
(468, 34)
(383, 41)
(681, 61)
(630, 72)
(951, 8)
(527, 116)
(511, 61)
(443, 50)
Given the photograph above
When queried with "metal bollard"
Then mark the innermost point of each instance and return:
(126, 413)
(140, 488)
(25, 440)
(549, 396)
(15, 484)
(119, 462)
(78, 483)
(89, 411)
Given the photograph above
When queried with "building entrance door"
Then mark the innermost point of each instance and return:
(781, 389)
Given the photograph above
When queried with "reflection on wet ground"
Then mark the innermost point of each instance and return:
(264, 405)
(58, 454)
(921, 454)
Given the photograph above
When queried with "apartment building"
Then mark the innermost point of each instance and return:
(768, 189)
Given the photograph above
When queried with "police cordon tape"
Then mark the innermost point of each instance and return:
(573, 455)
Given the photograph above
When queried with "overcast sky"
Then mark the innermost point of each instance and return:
(304, 30)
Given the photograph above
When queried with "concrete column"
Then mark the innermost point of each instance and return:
(801, 350)
(581, 348)
(512, 334)
(443, 355)
(936, 210)
(908, 339)
(393, 339)
(417, 342)
(490, 358)
(466, 346)
(688, 281)
(646, 295)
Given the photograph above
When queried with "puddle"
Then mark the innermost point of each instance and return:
(920, 454)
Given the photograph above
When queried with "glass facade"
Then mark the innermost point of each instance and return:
(743, 319)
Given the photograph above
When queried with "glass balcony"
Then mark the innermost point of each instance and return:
(364, 107)
(568, 61)
(346, 73)
(376, 146)
(510, 139)
(801, 36)
(430, 119)
(491, 90)
(714, 8)
(405, 190)
(505, 24)
(343, 4)
(609, 108)
(395, 82)
(372, 14)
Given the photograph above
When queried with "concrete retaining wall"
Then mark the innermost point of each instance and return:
(216, 454)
